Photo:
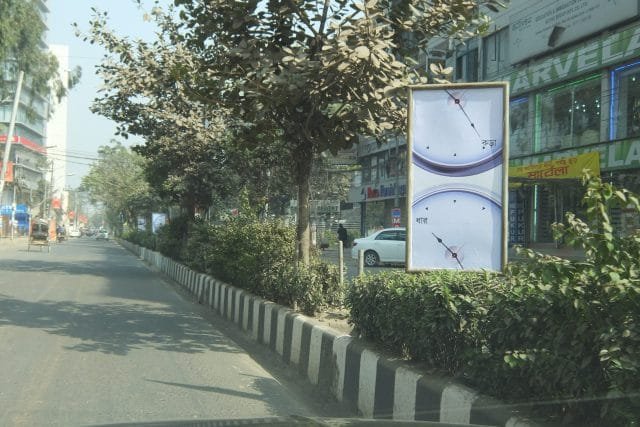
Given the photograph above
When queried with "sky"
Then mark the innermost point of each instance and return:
(87, 131)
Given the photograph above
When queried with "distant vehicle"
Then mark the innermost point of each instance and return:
(384, 246)
(102, 235)
(74, 233)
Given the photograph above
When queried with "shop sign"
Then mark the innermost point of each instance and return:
(395, 217)
(593, 55)
(385, 191)
(618, 155)
(24, 142)
(8, 176)
(323, 207)
(555, 23)
(566, 168)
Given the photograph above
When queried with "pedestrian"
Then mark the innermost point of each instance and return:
(342, 235)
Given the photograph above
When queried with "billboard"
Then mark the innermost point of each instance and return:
(157, 221)
(458, 159)
(142, 223)
(551, 24)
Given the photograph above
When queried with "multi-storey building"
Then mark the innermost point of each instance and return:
(574, 73)
(27, 191)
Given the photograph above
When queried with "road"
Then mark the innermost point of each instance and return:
(331, 256)
(89, 335)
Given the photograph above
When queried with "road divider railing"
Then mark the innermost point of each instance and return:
(336, 363)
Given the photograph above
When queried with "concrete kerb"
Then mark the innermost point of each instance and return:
(339, 364)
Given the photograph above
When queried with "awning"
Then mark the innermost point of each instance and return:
(560, 169)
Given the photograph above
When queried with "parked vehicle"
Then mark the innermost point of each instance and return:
(102, 235)
(74, 233)
(384, 246)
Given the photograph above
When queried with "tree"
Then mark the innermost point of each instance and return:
(320, 71)
(117, 181)
(21, 34)
(313, 76)
(149, 92)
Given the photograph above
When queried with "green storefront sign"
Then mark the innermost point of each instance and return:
(611, 49)
(617, 155)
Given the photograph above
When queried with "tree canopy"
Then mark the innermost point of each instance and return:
(117, 181)
(302, 77)
(21, 49)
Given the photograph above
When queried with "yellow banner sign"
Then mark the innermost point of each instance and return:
(567, 168)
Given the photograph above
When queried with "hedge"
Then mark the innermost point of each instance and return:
(257, 255)
(561, 335)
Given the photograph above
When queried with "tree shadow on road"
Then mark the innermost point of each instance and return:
(262, 389)
(93, 268)
(115, 328)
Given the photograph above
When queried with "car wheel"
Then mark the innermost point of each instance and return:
(371, 259)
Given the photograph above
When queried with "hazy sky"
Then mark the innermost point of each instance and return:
(87, 131)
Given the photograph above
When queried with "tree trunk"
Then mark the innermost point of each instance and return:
(303, 159)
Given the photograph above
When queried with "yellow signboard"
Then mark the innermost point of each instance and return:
(567, 168)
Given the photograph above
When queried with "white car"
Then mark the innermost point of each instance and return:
(384, 246)
(74, 233)
(102, 235)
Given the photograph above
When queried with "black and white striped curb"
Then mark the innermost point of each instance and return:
(335, 362)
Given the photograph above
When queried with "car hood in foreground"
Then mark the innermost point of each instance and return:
(293, 420)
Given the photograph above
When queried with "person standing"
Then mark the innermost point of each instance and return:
(342, 235)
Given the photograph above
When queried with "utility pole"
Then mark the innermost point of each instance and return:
(12, 125)
(75, 209)
(49, 212)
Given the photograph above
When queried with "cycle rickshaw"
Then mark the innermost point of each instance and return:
(39, 235)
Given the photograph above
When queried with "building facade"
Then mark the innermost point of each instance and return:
(380, 187)
(574, 73)
(36, 179)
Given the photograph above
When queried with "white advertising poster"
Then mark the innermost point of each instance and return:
(142, 223)
(549, 24)
(157, 221)
(457, 177)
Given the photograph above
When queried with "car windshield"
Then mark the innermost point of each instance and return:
(384, 210)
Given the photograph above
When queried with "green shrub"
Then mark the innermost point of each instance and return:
(570, 330)
(432, 317)
(171, 238)
(562, 335)
(141, 238)
(259, 255)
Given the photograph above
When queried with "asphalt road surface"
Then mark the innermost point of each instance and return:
(89, 335)
(351, 265)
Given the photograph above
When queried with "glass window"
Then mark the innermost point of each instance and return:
(383, 165)
(467, 66)
(366, 170)
(402, 161)
(569, 115)
(626, 102)
(543, 213)
(374, 168)
(520, 138)
(386, 235)
(496, 53)
(392, 163)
